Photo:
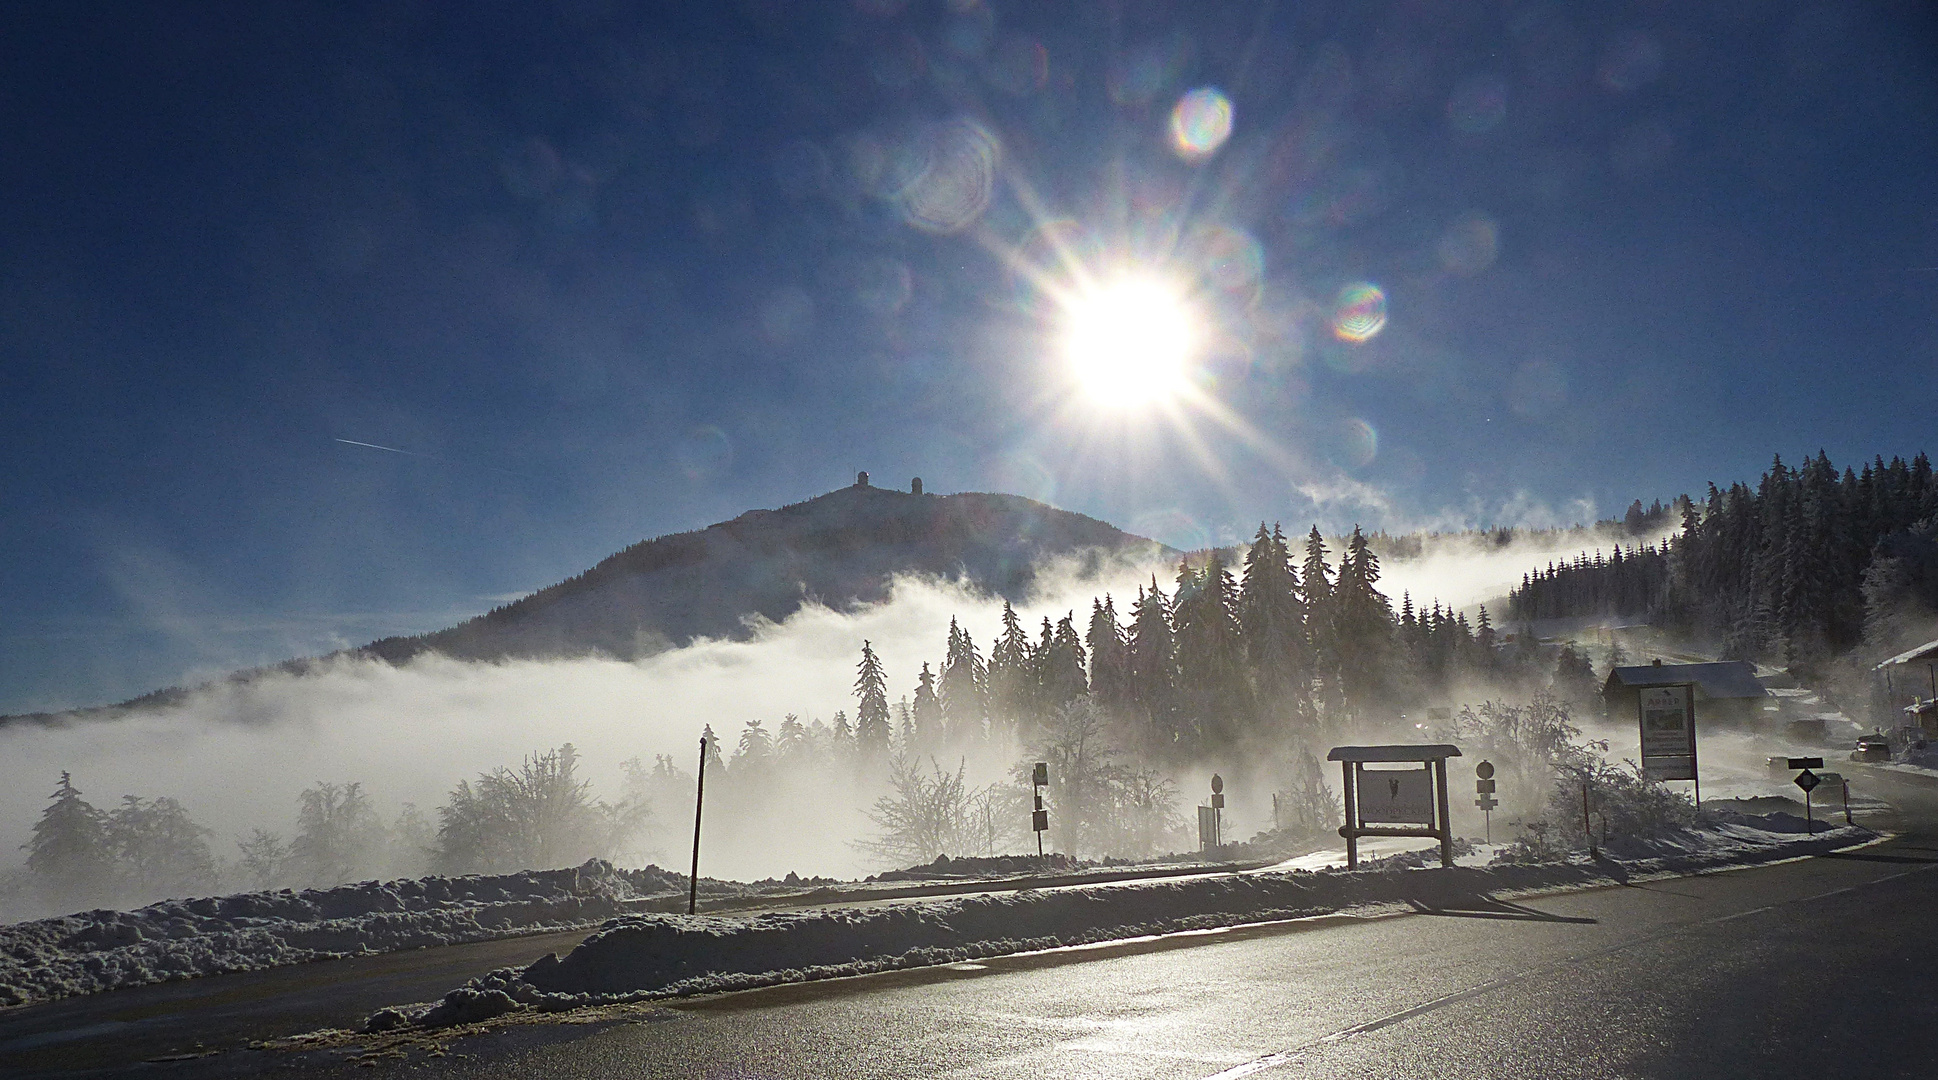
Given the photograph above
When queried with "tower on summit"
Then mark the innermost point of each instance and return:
(861, 479)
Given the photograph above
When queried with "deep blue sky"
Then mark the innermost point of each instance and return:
(610, 270)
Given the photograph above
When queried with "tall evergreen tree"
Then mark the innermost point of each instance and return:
(1211, 681)
(1152, 656)
(1322, 639)
(755, 752)
(872, 729)
(1362, 626)
(1061, 663)
(964, 688)
(1271, 619)
(926, 716)
(69, 856)
(1109, 656)
(1010, 674)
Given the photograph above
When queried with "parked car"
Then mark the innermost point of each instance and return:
(1872, 748)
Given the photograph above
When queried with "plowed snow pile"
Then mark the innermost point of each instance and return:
(182, 939)
(646, 956)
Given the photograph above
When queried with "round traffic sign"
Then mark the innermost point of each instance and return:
(1217, 783)
(1484, 770)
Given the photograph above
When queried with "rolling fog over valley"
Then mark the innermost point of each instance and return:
(237, 752)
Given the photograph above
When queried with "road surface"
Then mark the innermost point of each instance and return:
(1814, 967)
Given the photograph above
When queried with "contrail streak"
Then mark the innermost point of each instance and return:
(374, 446)
(427, 457)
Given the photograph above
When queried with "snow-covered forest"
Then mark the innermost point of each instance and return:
(1806, 566)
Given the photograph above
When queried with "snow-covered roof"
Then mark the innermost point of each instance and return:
(1927, 651)
(1428, 752)
(1722, 679)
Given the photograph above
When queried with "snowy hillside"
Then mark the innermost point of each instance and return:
(840, 549)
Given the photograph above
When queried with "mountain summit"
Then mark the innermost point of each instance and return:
(842, 549)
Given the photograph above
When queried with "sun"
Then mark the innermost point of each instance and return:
(1129, 341)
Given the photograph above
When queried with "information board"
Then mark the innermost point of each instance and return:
(1668, 732)
(1396, 797)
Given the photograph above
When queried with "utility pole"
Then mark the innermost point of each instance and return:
(699, 803)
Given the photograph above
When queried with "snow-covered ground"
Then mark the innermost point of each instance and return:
(647, 956)
(182, 939)
(879, 924)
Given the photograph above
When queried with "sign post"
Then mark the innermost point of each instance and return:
(1217, 810)
(1668, 718)
(1484, 787)
(1396, 802)
(1040, 817)
(1808, 781)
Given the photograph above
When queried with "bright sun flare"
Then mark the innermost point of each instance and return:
(1129, 341)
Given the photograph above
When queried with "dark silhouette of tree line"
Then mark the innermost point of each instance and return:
(1807, 565)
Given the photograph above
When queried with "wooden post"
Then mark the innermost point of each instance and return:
(1439, 780)
(1350, 770)
(699, 803)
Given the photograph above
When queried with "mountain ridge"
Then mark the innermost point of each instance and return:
(842, 549)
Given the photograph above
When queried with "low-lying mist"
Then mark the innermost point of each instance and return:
(236, 753)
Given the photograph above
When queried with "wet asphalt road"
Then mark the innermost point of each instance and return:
(1819, 967)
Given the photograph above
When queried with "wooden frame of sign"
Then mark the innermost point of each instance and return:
(1396, 802)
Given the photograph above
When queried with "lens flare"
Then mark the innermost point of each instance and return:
(704, 453)
(1469, 245)
(1020, 66)
(1360, 313)
(957, 180)
(1354, 444)
(1228, 258)
(1130, 342)
(1200, 123)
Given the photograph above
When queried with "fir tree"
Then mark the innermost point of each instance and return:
(716, 761)
(964, 688)
(1271, 619)
(841, 737)
(69, 856)
(1485, 639)
(791, 742)
(1061, 663)
(1362, 625)
(755, 752)
(1211, 685)
(872, 730)
(1010, 676)
(1109, 656)
(1152, 655)
(926, 715)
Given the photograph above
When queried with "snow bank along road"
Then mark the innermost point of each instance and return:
(639, 957)
(1817, 966)
(156, 1020)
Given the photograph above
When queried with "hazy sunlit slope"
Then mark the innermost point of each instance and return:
(841, 549)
